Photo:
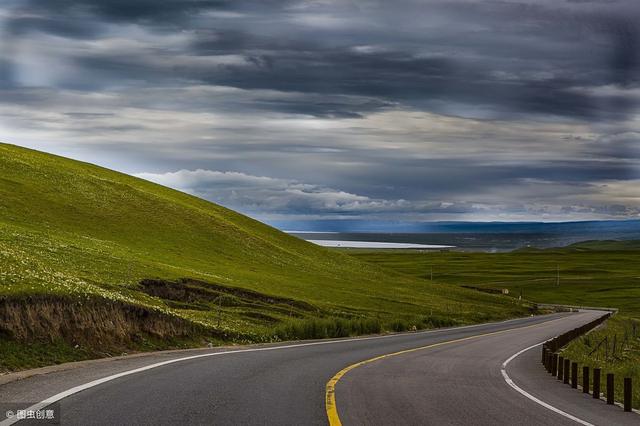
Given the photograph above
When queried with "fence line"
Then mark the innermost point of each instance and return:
(567, 371)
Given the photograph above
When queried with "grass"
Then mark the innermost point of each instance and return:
(615, 348)
(16, 355)
(595, 273)
(591, 274)
(72, 229)
(21, 355)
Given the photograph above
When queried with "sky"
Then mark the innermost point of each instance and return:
(365, 110)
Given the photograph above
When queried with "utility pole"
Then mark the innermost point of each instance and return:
(557, 275)
(430, 265)
(219, 309)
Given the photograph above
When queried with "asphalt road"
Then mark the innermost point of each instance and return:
(457, 383)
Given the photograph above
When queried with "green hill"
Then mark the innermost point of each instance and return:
(605, 246)
(587, 246)
(93, 261)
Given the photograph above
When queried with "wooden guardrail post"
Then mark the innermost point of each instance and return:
(610, 389)
(546, 359)
(548, 364)
(585, 379)
(560, 368)
(596, 383)
(564, 369)
(627, 394)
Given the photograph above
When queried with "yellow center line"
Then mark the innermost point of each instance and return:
(330, 389)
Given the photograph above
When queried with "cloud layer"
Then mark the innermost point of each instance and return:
(462, 109)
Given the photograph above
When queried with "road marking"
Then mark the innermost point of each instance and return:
(330, 388)
(531, 397)
(57, 397)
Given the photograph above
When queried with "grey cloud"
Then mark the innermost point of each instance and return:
(125, 10)
(265, 197)
(514, 58)
(454, 107)
(387, 153)
(62, 27)
(264, 194)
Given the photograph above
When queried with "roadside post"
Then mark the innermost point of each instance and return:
(610, 389)
(560, 368)
(547, 360)
(596, 383)
(627, 394)
(585, 379)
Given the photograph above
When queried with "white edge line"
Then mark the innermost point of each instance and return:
(57, 397)
(531, 397)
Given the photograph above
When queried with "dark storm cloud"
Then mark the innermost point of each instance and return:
(447, 107)
(58, 27)
(495, 58)
(126, 10)
(164, 13)
(440, 178)
(625, 57)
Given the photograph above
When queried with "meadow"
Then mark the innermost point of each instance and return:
(603, 273)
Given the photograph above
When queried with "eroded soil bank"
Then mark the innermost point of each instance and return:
(42, 330)
(93, 321)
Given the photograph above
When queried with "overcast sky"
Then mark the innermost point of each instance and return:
(372, 109)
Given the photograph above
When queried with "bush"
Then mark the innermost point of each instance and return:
(321, 328)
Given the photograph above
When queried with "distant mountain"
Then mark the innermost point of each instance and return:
(604, 227)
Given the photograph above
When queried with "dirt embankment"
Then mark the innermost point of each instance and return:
(195, 291)
(250, 305)
(93, 322)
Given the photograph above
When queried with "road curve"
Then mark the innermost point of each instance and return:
(451, 383)
(462, 383)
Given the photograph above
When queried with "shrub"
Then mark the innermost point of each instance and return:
(320, 328)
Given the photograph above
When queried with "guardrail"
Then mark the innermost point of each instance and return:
(578, 307)
(564, 369)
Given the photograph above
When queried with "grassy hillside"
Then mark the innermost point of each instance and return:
(93, 261)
